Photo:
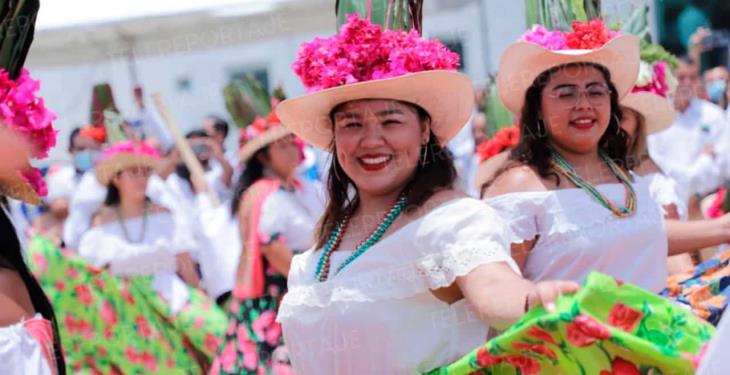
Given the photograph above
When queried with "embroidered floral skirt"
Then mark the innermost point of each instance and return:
(253, 343)
(113, 325)
(606, 328)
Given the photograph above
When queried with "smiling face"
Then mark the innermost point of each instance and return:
(378, 143)
(576, 108)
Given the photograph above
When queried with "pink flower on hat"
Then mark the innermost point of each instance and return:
(552, 40)
(584, 35)
(24, 112)
(131, 147)
(362, 51)
(662, 82)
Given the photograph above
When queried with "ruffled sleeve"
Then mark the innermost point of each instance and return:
(21, 353)
(273, 217)
(664, 191)
(456, 238)
(519, 214)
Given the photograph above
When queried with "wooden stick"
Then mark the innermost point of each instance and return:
(193, 164)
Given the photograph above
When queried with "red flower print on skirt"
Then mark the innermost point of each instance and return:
(624, 317)
(584, 331)
(620, 366)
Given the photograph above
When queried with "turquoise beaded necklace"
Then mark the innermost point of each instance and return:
(562, 166)
(323, 265)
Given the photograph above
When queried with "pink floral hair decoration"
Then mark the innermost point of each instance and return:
(25, 113)
(363, 51)
(584, 35)
(656, 79)
(131, 147)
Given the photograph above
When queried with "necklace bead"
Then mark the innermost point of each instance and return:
(323, 265)
(562, 166)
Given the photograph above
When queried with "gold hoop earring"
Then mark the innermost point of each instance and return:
(425, 155)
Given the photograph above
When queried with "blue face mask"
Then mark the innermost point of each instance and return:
(84, 160)
(716, 89)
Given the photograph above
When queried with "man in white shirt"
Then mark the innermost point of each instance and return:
(686, 151)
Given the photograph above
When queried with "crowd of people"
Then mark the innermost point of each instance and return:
(373, 225)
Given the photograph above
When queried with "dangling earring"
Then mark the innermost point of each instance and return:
(334, 166)
(541, 129)
(425, 154)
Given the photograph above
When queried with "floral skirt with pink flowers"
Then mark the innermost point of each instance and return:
(608, 327)
(113, 325)
(253, 343)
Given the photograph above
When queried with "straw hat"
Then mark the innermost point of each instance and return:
(261, 133)
(524, 61)
(658, 111)
(123, 155)
(391, 65)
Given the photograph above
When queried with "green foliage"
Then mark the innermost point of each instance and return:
(391, 14)
(16, 33)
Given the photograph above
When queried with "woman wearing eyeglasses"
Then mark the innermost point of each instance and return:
(566, 193)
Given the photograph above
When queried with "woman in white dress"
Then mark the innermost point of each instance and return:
(131, 236)
(406, 274)
(567, 194)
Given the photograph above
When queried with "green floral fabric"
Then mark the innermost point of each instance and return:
(608, 327)
(113, 325)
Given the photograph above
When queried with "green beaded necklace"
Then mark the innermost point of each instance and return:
(562, 166)
(323, 265)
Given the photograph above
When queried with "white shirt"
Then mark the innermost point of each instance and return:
(678, 149)
(576, 235)
(378, 315)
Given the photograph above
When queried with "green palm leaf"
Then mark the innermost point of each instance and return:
(246, 99)
(391, 14)
(16, 33)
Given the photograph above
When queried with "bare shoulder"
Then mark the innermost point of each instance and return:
(519, 178)
(103, 215)
(13, 298)
(648, 167)
(438, 198)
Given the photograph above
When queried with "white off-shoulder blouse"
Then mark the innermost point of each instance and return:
(378, 316)
(576, 235)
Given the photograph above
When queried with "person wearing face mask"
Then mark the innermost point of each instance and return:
(716, 80)
(687, 150)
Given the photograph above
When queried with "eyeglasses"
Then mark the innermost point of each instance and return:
(137, 172)
(569, 96)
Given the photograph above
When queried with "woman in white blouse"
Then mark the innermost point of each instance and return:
(406, 274)
(567, 194)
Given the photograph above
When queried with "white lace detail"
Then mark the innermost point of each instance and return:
(430, 272)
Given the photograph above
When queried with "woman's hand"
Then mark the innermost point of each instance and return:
(546, 292)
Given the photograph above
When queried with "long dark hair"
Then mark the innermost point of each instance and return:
(254, 171)
(534, 148)
(12, 256)
(438, 173)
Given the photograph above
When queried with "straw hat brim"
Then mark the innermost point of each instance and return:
(658, 112)
(106, 169)
(447, 96)
(12, 185)
(266, 138)
(522, 62)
